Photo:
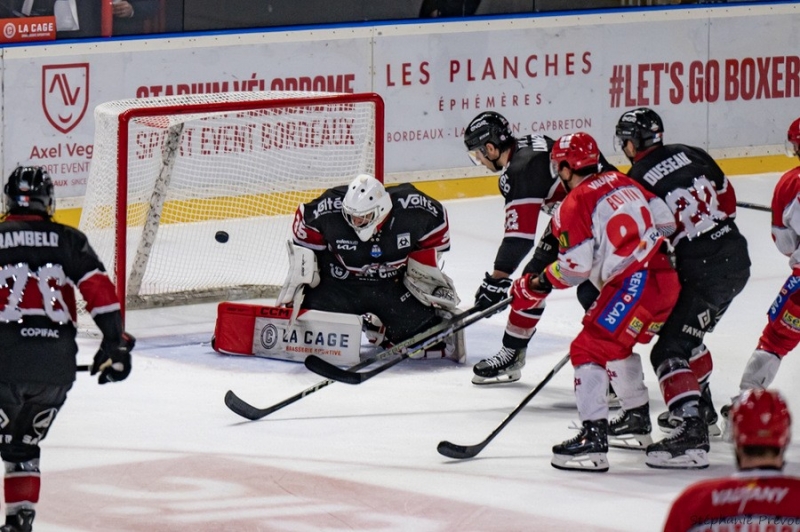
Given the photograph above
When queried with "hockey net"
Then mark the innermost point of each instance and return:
(169, 173)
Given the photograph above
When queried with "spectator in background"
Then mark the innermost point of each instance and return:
(130, 17)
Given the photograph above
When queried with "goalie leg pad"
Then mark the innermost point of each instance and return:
(374, 329)
(267, 331)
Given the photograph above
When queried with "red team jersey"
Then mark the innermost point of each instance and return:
(607, 226)
(786, 216)
(761, 500)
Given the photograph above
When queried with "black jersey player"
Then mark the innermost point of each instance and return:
(713, 265)
(528, 186)
(42, 263)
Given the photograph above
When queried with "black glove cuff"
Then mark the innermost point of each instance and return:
(544, 284)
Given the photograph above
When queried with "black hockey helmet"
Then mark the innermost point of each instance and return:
(488, 127)
(29, 189)
(641, 126)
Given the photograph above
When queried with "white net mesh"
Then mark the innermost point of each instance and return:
(194, 165)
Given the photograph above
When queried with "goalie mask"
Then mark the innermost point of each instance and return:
(30, 190)
(366, 205)
(643, 127)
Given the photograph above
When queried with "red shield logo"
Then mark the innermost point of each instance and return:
(65, 94)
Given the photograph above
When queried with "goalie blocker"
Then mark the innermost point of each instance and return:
(266, 331)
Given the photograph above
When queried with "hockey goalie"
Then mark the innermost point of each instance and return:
(363, 258)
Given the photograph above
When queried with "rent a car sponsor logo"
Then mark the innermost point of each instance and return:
(620, 306)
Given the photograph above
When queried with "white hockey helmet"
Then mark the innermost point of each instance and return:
(366, 204)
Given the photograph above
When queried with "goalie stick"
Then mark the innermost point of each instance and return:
(754, 206)
(424, 340)
(248, 411)
(453, 450)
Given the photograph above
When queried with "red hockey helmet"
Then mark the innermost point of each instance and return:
(761, 417)
(793, 139)
(578, 150)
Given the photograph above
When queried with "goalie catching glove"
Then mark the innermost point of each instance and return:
(427, 282)
(114, 363)
(525, 297)
(303, 270)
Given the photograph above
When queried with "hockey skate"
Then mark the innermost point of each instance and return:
(685, 448)
(586, 451)
(667, 422)
(22, 521)
(631, 429)
(504, 367)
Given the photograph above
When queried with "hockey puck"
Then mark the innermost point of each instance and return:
(221, 237)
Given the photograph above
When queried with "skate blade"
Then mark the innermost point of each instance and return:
(590, 462)
(506, 378)
(692, 459)
(632, 442)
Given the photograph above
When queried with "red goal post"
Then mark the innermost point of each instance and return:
(168, 173)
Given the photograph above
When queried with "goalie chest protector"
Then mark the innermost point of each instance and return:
(264, 331)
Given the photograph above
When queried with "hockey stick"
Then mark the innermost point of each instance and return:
(425, 340)
(754, 206)
(83, 367)
(248, 411)
(453, 450)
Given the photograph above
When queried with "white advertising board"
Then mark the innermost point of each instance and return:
(49, 96)
(722, 78)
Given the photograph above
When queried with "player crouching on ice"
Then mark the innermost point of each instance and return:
(372, 251)
(610, 231)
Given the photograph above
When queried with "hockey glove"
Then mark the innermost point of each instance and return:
(525, 297)
(114, 363)
(492, 291)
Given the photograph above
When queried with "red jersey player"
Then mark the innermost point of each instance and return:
(610, 231)
(782, 332)
(759, 497)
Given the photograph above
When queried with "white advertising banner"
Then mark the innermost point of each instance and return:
(731, 82)
(722, 78)
(50, 96)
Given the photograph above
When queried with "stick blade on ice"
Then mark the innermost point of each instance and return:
(459, 452)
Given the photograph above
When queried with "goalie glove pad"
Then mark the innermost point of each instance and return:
(492, 291)
(524, 297)
(427, 282)
(303, 270)
(114, 363)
